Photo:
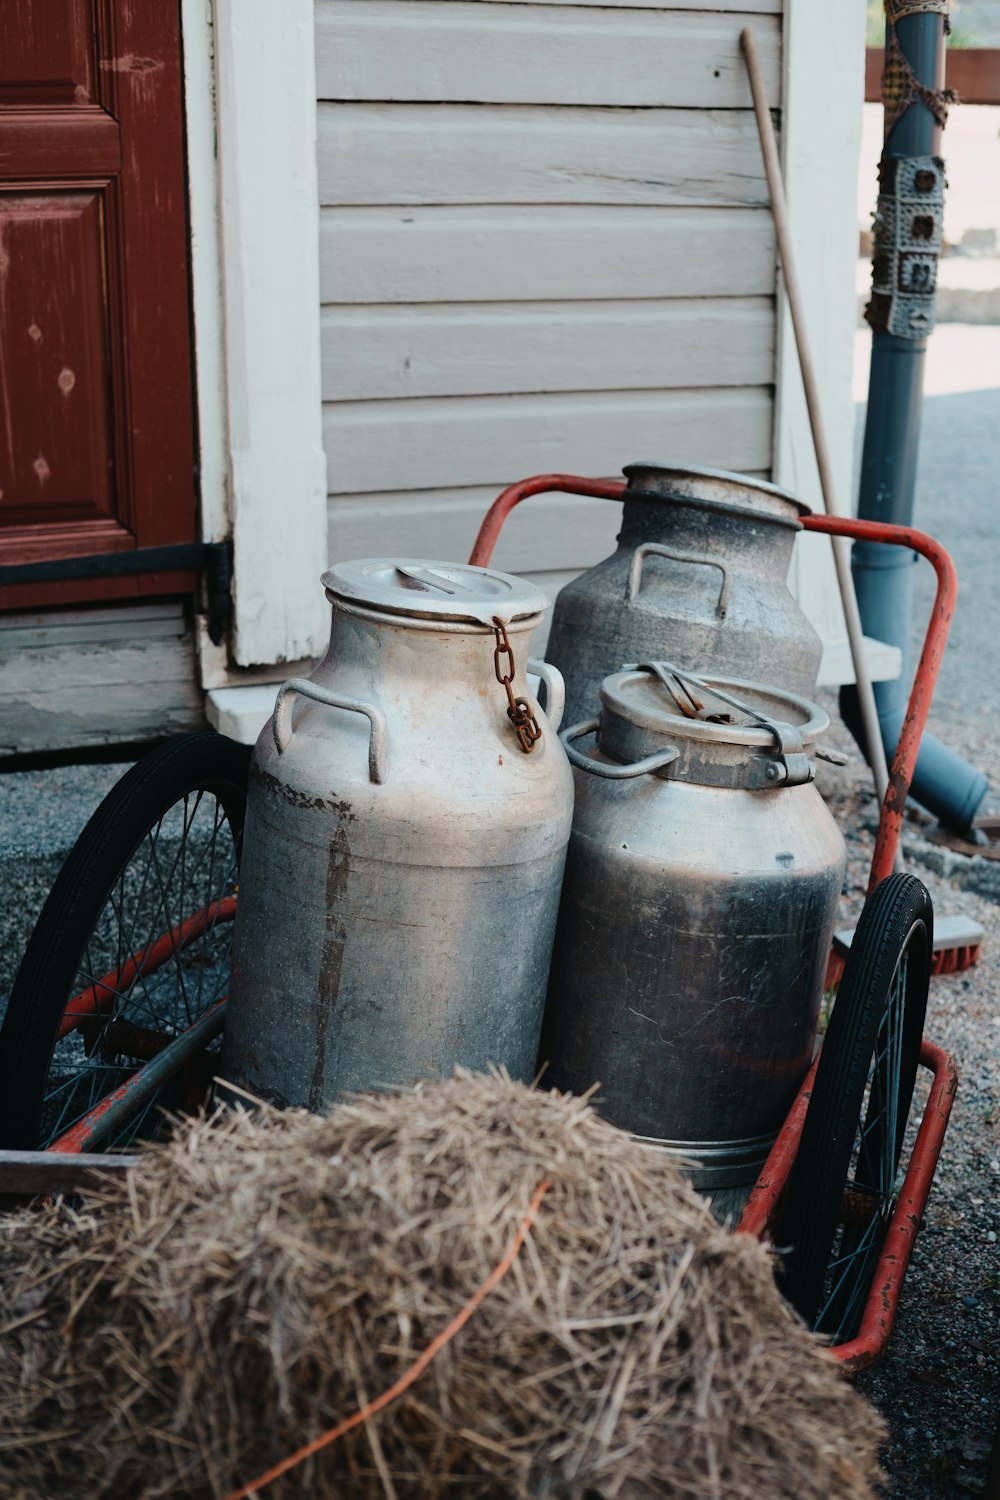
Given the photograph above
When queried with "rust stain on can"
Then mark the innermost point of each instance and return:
(338, 871)
(299, 799)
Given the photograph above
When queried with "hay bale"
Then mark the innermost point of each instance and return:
(258, 1278)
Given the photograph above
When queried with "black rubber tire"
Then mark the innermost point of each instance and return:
(870, 1052)
(201, 770)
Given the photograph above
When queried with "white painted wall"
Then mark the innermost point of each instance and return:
(544, 245)
(543, 242)
(821, 142)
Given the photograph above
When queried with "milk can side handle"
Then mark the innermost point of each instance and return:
(654, 549)
(650, 763)
(555, 688)
(281, 723)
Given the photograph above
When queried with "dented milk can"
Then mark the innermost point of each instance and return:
(700, 575)
(699, 901)
(408, 814)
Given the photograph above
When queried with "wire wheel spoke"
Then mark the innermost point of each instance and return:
(843, 1184)
(132, 947)
(140, 931)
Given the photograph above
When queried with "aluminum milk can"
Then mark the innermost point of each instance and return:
(700, 575)
(698, 906)
(407, 823)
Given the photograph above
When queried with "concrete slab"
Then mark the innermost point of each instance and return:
(241, 712)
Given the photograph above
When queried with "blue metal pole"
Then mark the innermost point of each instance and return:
(945, 783)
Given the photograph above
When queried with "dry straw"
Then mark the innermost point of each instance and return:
(257, 1279)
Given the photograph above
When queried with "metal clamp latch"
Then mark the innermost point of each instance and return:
(792, 767)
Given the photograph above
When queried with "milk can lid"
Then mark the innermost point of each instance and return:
(727, 732)
(712, 487)
(433, 590)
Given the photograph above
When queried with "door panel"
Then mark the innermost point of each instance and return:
(96, 400)
(50, 59)
(55, 460)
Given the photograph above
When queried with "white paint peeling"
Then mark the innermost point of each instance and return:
(129, 63)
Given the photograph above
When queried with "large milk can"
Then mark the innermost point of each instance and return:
(407, 821)
(698, 906)
(700, 575)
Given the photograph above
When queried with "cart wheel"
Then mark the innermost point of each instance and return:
(842, 1187)
(132, 945)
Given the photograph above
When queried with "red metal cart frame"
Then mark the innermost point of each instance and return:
(761, 1211)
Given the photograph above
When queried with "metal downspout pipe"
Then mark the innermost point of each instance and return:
(944, 783)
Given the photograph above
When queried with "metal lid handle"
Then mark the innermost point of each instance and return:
(654, 549)
(555, 689)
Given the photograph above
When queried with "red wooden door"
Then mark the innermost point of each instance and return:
(96, 418)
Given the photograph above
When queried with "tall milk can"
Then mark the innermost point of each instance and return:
(700, 575)
(698, 906)
(407, 821)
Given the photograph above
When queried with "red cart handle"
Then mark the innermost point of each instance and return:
(567, 484)
(905, 758)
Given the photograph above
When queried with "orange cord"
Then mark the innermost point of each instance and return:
(419, 1365)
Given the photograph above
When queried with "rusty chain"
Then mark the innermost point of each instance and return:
(526, 726)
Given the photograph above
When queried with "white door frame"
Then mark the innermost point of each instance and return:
(250, 102)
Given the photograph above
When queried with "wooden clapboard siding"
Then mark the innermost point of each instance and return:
(492, 349)
(543, 253)
(455, 50)
(465, 153)
(545, 245)
(550, 583)
(547, 532)
(429, 441)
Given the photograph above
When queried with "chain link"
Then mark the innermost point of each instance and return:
(519, 712)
